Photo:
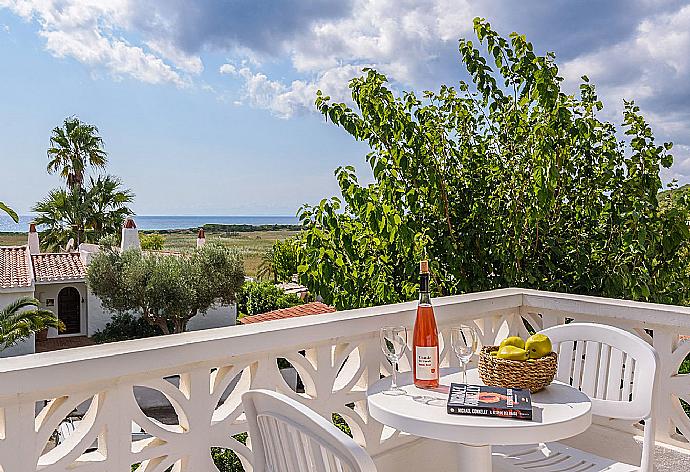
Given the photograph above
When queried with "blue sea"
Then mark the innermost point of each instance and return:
(149, 222)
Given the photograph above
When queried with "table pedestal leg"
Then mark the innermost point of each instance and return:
(474, 458)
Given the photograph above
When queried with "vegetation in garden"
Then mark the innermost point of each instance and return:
(260, 297)
(152, 241)
(22, 318)
(504, 181)
(279, 263)
(167, 291)
(125, 326)
(85, 215)
(86, 209)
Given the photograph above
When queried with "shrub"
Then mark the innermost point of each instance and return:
(152, 242)
(124, 326)
(260, 297)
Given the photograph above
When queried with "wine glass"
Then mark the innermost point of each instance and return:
(463, 340)
(393, 344)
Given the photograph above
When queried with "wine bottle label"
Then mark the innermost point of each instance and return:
(427, 363)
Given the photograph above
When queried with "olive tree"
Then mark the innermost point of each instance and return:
(166, 290)
(503, 181)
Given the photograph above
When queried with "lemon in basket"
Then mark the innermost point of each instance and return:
(538, 345)
(513, 353)
(516, 341)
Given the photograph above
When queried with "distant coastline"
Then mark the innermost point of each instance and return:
(169, 222)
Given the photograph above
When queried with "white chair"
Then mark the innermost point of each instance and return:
(617, 370)
(286, 436)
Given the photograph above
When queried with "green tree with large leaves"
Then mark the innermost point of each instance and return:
(74, 147)
(22, 318)
(85, 214)
(503, 181)
(166, 290)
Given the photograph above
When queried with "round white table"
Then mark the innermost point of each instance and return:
(559, 411)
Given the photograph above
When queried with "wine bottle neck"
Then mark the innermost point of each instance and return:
(424, 298)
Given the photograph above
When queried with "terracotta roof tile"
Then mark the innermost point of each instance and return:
(58, 267)
(313, 308)
(14, 267)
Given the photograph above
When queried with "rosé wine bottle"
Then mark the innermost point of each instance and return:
(425, 337)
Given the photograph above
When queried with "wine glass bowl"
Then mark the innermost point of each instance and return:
(393, 345)
(463, 342)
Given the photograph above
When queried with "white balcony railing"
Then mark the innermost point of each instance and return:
(341, 358)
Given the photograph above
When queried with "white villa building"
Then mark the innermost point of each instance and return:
(58, 281)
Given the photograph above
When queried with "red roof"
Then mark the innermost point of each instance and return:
(313, 308)
(14, 267)
(58, 267)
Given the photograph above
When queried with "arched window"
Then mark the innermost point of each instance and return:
(69, 310)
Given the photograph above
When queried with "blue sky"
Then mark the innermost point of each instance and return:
(206, 107)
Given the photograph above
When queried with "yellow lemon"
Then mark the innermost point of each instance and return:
(516, 341)
(512, 353)
(538, 346)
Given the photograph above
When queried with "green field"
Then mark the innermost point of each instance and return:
(251, 244)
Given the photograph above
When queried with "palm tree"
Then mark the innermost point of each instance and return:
(74, 146)
(107, 206)
(17, 322)
(62, 214)
(85, 215)
(267, 267)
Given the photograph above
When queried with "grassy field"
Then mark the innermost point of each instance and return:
(251, 244)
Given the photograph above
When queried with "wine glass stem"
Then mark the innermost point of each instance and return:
(464, 372)
(394, 384)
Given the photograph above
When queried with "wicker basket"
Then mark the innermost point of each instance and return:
(533, 374)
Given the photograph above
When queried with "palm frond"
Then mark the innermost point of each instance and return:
(18, 323)
(10, 212)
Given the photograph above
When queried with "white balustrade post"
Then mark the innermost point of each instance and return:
(664, 344)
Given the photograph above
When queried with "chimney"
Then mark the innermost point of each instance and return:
(201, 238)
(130, 236)
(34, 246)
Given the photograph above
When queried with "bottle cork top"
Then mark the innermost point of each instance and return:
(424, 267)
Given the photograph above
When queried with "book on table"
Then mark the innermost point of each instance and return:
(480, 400)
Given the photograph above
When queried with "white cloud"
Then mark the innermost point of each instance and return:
(402, 38)
(186, 62)
(90, 31)
(652, 67)
(228, 69)
(286, 100)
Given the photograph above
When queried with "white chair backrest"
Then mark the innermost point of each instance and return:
(616, 369)
(287, 436)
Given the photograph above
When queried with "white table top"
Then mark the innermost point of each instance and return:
(559, 411)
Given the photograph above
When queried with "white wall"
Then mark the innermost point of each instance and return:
(216, 317)
(98, 316)
(28, 346)
(46, 291)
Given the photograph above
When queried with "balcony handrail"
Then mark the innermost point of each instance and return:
(157, 354)
(94, 364)
(653, 314)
